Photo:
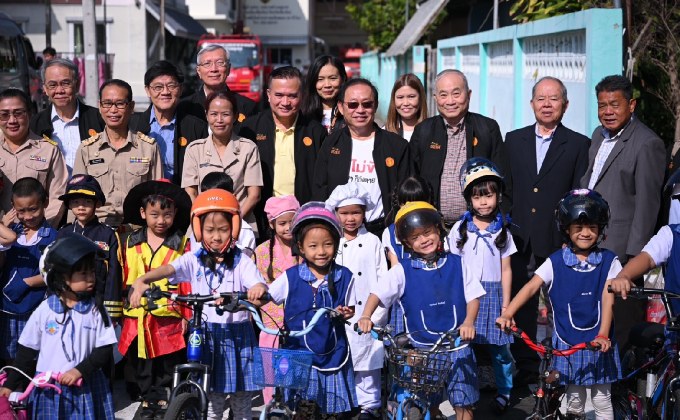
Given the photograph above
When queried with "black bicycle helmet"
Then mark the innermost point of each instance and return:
(62, 255)
(582, 205)
(672, 187)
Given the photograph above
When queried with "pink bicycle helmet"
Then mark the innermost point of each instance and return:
(314, 212)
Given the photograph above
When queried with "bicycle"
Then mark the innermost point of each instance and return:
(549, 393)
(416, 374)
(19, 400)
(656, 381)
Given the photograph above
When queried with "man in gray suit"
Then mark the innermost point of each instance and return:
(626, 164)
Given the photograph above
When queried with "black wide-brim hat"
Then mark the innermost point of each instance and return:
(133, 202)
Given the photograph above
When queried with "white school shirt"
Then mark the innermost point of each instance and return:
(279, 289)
(477, 256)
(365, 258)
(43, 332)
(362, 171)
(242, 277)
(659, 247)
(391, 289)
(545, 271)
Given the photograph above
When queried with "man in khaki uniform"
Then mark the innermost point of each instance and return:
(25, 154)
(118, 158)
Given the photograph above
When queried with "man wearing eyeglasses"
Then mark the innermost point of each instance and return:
(68, 121)
(287, 141)
(441, 144)
(213, 67)
(118, 158)
(363, 153)
(172, 130)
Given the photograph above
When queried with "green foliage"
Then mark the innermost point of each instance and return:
(530, 10)
(383, 20)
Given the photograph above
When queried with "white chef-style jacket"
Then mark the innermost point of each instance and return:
(364, 256)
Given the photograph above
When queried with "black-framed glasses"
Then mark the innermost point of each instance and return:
(16, 113)
(159, 87)
(117, 104)
(218, 63)
(365, 104)
(66, 84)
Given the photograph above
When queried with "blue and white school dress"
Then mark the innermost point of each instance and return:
(481, 255)
(230, 338)
(434, 300)
(576, 296)
(331, 383)
(64, 338)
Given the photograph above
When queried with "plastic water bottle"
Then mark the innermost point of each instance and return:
(651, 384)
(194, 344)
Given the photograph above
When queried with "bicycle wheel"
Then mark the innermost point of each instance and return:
(676, 405)
(184, 407)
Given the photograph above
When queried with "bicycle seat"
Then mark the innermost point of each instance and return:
(647, 335)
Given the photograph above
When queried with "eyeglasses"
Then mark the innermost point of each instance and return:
(159, 87)
(66, 84)
(365, 104)
(218, 63)
(118, 105)
(17, 113)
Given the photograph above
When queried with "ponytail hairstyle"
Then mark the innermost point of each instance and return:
(413, 188)
(485, 187)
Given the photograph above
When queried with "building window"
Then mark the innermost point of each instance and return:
(282, 56)
(79, 42)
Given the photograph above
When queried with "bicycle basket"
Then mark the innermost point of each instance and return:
(419, 371)
(282, 368)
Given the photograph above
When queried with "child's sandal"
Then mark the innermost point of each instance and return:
(501, 403)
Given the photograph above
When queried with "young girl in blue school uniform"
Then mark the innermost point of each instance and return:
(577, 279)
(319, 282)
(217, 267)
(483, 241)
(68, 333)
(427, 287)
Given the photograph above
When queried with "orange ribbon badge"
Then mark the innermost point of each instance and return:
(307, 141)
(389, 162)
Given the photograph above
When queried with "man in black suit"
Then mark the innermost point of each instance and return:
(545, 161)
(441, 144)
(213, 68)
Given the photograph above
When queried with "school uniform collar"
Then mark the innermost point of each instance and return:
(571, 260)
(202, 251)
(306, 274)
(83, 306)
(43, 230)
(422, 264)
(77, 228)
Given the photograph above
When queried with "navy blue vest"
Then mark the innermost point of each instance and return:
(402, 255)
(576, 298)
(327, 340)
(433, 300)
(22, 262)
(672, 283)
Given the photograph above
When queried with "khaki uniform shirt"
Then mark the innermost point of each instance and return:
(241, 161)
(118, 171)
(38, 158)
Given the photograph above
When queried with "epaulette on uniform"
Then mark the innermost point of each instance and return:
(143, 137)
(46, 139)
(91, 140)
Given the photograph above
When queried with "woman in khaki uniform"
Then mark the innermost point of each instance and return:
(224, 151)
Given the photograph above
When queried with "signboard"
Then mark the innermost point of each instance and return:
(277, 17)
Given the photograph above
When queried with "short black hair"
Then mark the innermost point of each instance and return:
(161, 200)
(50, 51)
(117, 82)
(285, 72)
(615, 83)
(163, 68)
(16, 93)
(357, 81)
(217, 180)
(28, 187)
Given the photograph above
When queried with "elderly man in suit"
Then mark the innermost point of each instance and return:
(626, 165)
(545, 160)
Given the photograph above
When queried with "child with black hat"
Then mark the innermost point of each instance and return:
(82, 197)
(153, 342)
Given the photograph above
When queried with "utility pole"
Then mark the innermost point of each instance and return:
(495, 14)
(48, 23)
(161, 22)
(90, 41)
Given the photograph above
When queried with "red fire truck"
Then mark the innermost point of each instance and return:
(249, 64)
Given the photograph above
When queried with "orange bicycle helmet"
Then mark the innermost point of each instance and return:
(220, 201)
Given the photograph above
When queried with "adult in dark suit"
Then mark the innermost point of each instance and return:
(545, 161)
(287, 141)
(440, 145)
(626, 165)
(213, 68)
(68, 121)
(172, 130)
(362, 152)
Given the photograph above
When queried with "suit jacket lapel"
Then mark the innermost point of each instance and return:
(555, 150)
(618, 148)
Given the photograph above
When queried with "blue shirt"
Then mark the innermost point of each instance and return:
(542, 145)
(165, 138)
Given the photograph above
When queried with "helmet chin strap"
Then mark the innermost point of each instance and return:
(229, 244)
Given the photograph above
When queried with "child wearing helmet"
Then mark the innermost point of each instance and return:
(483, 241)
(318, 282)
(577, 279)
(427, 286)
(218, 267)
(67, 334)
(362, 253)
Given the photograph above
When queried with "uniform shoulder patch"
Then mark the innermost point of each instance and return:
(91, 140)
(143, 137)
(46, 139)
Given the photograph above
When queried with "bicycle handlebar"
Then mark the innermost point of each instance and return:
(540, 348)
(646, 291)
(41, 380)
(401, 340)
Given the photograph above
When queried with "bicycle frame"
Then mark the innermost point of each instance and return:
(18, 400)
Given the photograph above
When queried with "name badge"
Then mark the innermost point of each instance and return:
(139, 160)
(96, 161)
(203, 165)
(37, 158)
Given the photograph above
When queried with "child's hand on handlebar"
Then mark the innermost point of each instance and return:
(71, 377)
(504, 323)
(4, 392)
(346, 311)
(604, 343)
(621, 286)
(138, 289)
(467, 331)
(365, 324)
(257, 291)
